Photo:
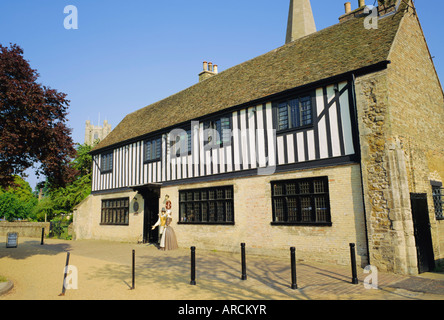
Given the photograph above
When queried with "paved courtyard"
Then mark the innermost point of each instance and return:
(104, 272)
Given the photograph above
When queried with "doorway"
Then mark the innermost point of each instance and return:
(423, 235)
(150, 196)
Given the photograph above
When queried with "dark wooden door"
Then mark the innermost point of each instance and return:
(150, 217)
(423, 235)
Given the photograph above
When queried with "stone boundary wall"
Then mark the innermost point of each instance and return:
(24, 229)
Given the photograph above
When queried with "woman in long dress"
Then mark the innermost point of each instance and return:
(169, 240)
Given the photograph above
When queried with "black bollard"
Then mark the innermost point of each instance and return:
(43, 236)
(193, 266)
(353, 263)
(244, 263)
(134, 270)
(294, 284)
(65, 274)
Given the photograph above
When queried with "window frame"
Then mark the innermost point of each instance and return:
(217, 202)
(294, 116)
(312, 195)
(106, 162)
(110, 218)
(145, 147)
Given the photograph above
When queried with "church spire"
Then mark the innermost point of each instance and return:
(300, 20)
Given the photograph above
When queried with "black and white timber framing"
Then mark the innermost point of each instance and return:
(255, 148)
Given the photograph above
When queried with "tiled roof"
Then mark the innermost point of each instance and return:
(336, 50)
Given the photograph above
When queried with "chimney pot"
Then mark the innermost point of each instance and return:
(209, 70)
(348, 7)
(361, 3)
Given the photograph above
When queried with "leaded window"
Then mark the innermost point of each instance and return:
(301, 201)
(438, 197)
(153, 149)
(115, 212)
(218, 132)
(106, 162)
(295, 113)
(180, 144)
(207, 206)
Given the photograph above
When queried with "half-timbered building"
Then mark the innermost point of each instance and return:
(314, 145)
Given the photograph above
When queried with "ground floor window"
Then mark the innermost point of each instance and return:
(301, 201)
(438, 196)
(206, 206)
(115, 212)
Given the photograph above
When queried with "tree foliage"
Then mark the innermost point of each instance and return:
(17, 201)
(32, 123)
(61, 200)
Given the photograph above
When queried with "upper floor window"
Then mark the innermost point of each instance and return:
(218, 132)
(153, 149)
(438, 196)
(107, 162)
(180, 143)
(295, 113)
(301, 201)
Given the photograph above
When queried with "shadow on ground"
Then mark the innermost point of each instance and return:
(29, 248)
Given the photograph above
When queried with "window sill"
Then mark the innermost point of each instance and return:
(151, 161)
(295, 129)
(115, 224)
(207, 223)
(304, 224)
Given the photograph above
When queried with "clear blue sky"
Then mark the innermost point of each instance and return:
(128, 54)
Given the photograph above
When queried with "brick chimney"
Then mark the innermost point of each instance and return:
(384, 7)
(208, 71)
(350, 14)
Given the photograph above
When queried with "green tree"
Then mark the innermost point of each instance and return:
(11, 208)
(17, 201)
(44, 210)
(61, 201)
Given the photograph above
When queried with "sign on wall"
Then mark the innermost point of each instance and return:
(12, 240)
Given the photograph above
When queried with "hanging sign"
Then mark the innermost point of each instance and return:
(12, 240)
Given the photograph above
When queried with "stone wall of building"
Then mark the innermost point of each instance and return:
(417, 116)
(400, 116)
(382, 192)
(87, 219)
(253, 217)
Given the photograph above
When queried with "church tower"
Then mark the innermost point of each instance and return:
(93, 133)
(300, 20)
